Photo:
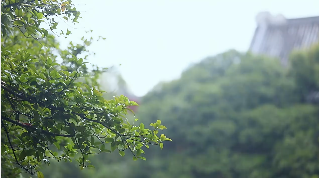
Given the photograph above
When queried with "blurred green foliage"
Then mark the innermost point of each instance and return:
(234, 115)
(238, 116)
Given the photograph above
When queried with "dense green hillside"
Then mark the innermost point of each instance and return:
(237, 115)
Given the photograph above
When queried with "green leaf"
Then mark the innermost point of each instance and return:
(3, 148)
(161, 127)
(130, 110)
(102, 147)
(45, 32)
(161, 145)
(3, 107)
(49, 61)
(29, 15)
(141, 126)
(18, 12)
(39, 15)
(122, 153)
(40, 174)
(107, 151)
(30, 30)
(54, 25)
(23, 78)
(57, 145)
(92, 140)
(25, 153)
(163, 137)
(143, 158)
(18, 22)
(108, 140)
(113, 146)
(68, 32)
(138, 152)
(55, 74)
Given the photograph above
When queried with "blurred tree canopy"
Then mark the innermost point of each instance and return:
(234, 115)
(56, 111)
(238, 115)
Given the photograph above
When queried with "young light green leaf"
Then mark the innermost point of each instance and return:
(143, 158)
(122, 153)
(68, 32)
(40, 174)
(18, 12)
(138, 152)
(141, 126)
(39, 15)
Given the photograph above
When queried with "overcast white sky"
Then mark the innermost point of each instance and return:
(155, 40)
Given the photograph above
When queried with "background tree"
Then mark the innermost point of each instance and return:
(305, 65)
(46, 104)
(237, 115)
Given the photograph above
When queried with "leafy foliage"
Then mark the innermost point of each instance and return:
(305, 65)
(237, 115)
(53, 111)
(27, 16)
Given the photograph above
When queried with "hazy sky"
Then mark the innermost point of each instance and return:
(155, 40)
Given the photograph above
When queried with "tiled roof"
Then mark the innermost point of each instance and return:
(278, 36)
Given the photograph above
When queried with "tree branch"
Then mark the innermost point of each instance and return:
(96, 121)
(33, 128)
(79, 114)
(13, 150)
(3, 86)
(120, 135)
